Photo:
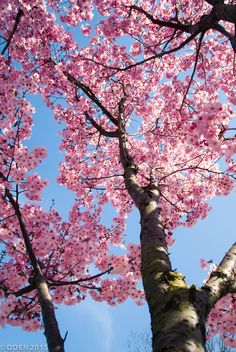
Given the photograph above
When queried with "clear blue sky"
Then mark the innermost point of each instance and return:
(96, 326)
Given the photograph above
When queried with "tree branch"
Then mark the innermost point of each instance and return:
(214, 2)
(17, 21)
(156, 56)
(130, 168)
(24, 290)
(222, 280)
(169, 24)
(194, 68)
(220, 12)
(64, 283)
(101, 130)
(91, 95)
(52, 333)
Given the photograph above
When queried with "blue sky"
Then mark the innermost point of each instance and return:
(97, 326)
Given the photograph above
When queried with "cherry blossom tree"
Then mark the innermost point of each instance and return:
(148, 114)
(45, 260)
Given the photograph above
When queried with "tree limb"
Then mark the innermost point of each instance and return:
(24, 290)
(52, 333)
(214, 2)
(101, 130)
(64, 283)
(130, 168)
(220, 12)
(17, 21)
(91, 95)
(222, 280)
(169, 24)
(194, 68)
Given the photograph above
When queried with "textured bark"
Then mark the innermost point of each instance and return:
(177, 325)
(223, 279)
(177, 313)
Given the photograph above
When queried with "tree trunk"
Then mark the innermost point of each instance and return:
(177, 316)
(177, 313)
(52, 333)
(54, 340)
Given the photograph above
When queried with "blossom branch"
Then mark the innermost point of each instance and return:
(14, 29)
(157, 55)
(194, 68)
(168, 24)
(64, 283)
(52, 333)
(220, 12)
(101, 130)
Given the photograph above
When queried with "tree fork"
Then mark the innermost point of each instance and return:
(178, 311)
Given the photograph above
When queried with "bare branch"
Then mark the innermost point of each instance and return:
(214, 2)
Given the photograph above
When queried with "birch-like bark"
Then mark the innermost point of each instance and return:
(177, 318)
(223, 279)
(178, 312)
